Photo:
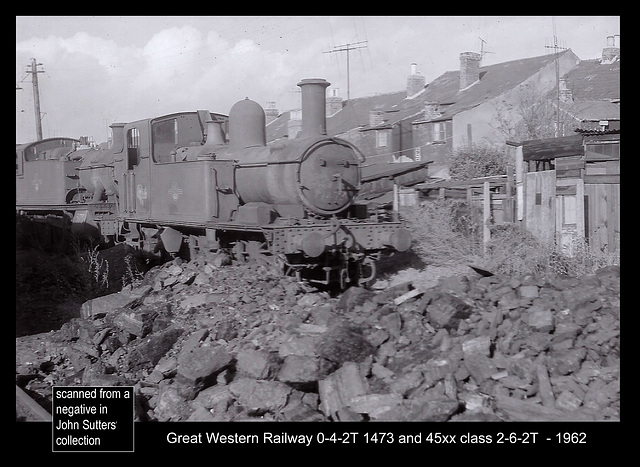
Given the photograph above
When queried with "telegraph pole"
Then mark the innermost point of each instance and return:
(346, 48)
(36, 96)
(555, 48)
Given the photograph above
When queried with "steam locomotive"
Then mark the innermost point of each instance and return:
(199, 180)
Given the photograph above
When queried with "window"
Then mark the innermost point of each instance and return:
(133, 147)
(603, 151)
(569, 210)
(381, 138)
(438, 131)
(165, 139)
(417, 156)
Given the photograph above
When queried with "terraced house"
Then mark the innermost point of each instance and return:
(474, 105)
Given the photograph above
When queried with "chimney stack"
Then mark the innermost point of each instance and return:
(376, 117)
(432, 110)
(565, 93)
(611, 52)
(469, 68)
(334, 103)
(415, 81)
(314, 120)
(271, 112)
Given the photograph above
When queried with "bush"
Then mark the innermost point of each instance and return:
(477, 160)
(515, 251)
(444, 230)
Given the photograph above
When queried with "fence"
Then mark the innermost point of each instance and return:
(494, 196)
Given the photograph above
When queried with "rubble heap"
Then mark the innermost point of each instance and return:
(206, 341)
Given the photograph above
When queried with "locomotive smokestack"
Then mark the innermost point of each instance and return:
(314, 122)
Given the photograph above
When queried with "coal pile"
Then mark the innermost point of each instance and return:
(211, 341)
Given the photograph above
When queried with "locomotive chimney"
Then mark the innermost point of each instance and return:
(314, 121)
(117, 136)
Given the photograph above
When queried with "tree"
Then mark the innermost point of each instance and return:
(532, 115)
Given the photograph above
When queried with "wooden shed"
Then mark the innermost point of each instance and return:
(570, 186)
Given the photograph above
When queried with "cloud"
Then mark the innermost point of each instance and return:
(129, 68)
(90, 79)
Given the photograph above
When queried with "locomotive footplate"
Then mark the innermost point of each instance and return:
(354, 238)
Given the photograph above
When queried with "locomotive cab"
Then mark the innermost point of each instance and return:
(41, 165)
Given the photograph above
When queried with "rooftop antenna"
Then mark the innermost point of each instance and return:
(347, 48)
(482, 51)
(555, 48)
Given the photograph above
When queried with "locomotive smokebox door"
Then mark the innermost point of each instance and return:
(329, 177)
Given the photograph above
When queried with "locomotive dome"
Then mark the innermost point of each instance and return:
(246, 125)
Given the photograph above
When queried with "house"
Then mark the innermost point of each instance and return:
(568, 187)
(475, 105)
(589, 94)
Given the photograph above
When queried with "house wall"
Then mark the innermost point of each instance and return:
(431, 149)
(366, 141)
(484, 127)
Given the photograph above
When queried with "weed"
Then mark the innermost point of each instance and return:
(132, 275)
(97, 270)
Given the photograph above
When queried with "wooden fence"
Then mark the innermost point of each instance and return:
(493, 196)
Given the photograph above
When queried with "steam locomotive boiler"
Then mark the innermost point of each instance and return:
(198, 180)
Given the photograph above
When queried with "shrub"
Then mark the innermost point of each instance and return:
(515, 251)
(477, 160)
(444, 230)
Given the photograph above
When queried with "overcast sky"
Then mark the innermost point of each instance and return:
(98, 70)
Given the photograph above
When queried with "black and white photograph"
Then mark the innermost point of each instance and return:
(406, 220)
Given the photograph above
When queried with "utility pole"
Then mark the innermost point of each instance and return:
(36, 96)
(347, 48)
(555, 48)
